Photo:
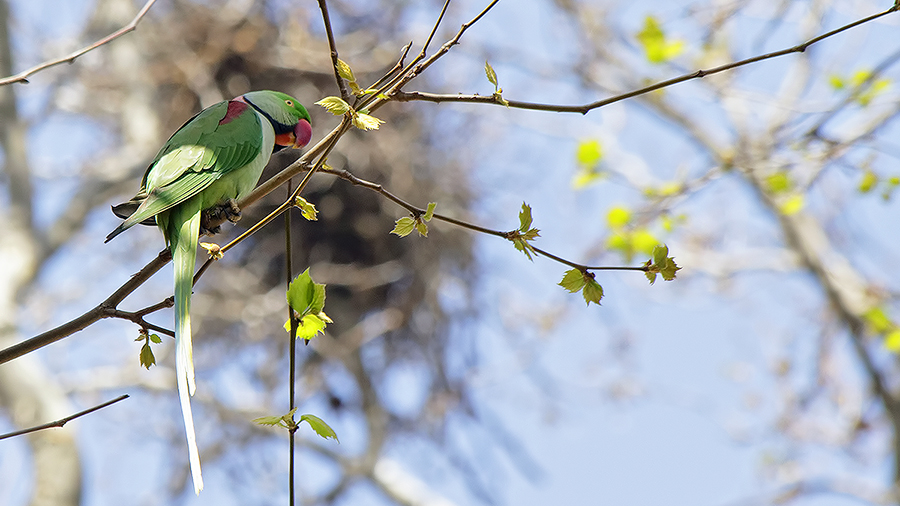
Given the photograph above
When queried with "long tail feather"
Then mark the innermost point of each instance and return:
(184, 253)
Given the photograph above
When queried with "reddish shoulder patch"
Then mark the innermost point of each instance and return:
(235, 108)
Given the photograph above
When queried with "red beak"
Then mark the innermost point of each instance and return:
(297, 138)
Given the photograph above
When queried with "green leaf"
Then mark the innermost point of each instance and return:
(305, 296)
(661, 264)
(268, 420)
(592, 291)
(779, 182)
(334, 105)
(585, 177)
(366, 122)
(589, 153)
(892, 341)
(525, 217)
(792, 204)
(660, 252)
(147, 358)
(573, 280)
(656, 46)
(491, 75)
(878, 320)
(319, 426)
(618, 217)
(421, 228)
(286, 420)
(522, 245)
(429, 212)
(345, 71)
(318, 298)
(642, 240)
(836, 82)
(404, 226)
(310, 326)
(155, 339)
(307, 209)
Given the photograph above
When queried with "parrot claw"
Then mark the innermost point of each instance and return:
(232, 211)
(217, 214)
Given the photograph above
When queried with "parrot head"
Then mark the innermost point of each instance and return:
(289, 118)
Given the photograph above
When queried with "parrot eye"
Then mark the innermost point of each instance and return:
(290, 103)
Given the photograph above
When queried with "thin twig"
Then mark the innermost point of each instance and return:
(22, 77)
(399, 65)
(342, 85)
(434, 29)
(289, 269)
(105, 309)
(585, 108)
(63, 421)
(417, 211)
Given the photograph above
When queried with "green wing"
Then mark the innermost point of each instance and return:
(200, 152)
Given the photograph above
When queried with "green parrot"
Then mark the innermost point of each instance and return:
(214, 159)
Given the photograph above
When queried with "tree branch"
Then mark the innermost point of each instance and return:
(63, 421)
(22, 77)
(402, 96)
(105, 309)
(345, 93)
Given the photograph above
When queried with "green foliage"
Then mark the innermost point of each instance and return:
(346, 73)
(781, 185)
(863, 83)
(661, 264)
(364, 121)
(404, 226)
(588, 154)
(361, 119)
(576, 280)
(525, 233)
(492, 77)
(868, 181)
(286, 421)
(878, 322)
(792, 204)
(657, 47)
(319, 426)
(307, 209)
(146, 357)
(335, 105)
(779, 182)
(307, 300)
(618, 217)
(630, 242)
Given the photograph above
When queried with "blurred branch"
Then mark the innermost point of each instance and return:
(497, 99)
(854, 94)
(63, 421)
(22, 77)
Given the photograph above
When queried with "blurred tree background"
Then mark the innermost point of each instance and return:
(454, 363)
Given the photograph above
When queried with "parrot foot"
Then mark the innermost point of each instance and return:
(217, 214)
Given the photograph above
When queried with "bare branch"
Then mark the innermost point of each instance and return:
(22, 77)
(63, 421)
(342, 85)
(417, 211)
(585, 108)
(106, 309)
